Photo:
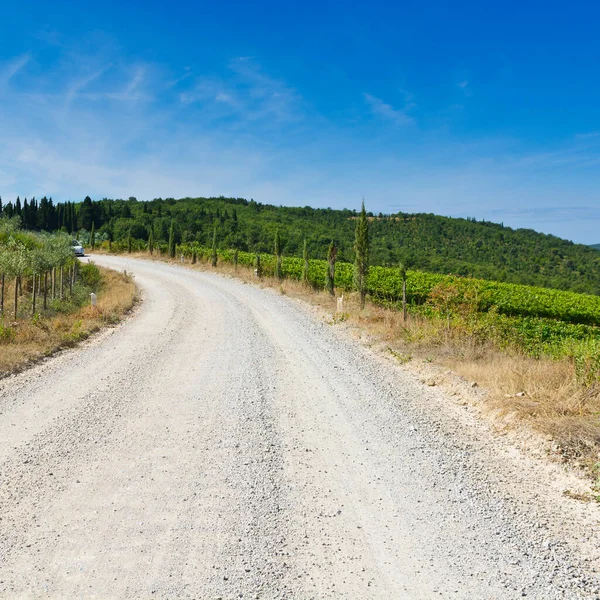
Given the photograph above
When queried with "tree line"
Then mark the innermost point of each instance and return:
(432, 243)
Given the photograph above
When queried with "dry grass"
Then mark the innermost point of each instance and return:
(542, 393)
(35, 339)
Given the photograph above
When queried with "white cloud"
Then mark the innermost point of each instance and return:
(388, 112)
(13, 67)
(248, 94)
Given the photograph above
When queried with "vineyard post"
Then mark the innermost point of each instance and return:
(45, 290)
(16, 296)
(62, 282)
(33, 295)
(235, 259)
(2, 295)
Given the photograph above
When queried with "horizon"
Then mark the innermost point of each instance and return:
(467, 113)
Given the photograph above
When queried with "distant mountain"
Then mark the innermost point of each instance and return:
(597, 246)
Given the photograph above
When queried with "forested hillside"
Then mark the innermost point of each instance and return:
(596, 246)
(426, 241)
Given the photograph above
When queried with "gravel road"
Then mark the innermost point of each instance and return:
(225, 443)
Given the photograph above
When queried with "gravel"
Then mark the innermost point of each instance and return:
(224, 443)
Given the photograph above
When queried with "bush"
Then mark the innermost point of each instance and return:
(91, 276)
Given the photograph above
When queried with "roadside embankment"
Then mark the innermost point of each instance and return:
(66, 320)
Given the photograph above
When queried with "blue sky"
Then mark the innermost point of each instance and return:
(487, 110)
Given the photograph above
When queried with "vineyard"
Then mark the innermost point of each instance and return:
(536, 321)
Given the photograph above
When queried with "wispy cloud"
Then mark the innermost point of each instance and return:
(76, 86)
(12, 68)
(399, 116)
(248, 93)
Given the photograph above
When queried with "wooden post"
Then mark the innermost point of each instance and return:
(53, 283)
(33, 295)
(62, 282)
(16, 296)
(45, 290)
(404, 299)
(2, 295)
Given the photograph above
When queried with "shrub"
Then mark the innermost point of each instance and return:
(91, 276)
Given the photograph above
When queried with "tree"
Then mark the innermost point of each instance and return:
(129, 242)
(151, 241)
(361, 255)
(331, 258)
(278, 263)
(213, 259)
(172, 240)
(93, 236)
(258, 270)
(86, 213)
(305, 263)
(402, 269)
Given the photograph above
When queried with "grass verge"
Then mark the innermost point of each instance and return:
(26, 340)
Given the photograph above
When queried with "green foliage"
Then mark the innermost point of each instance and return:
(258, 266)
(213, 260)
(151, 242)
(435, 244)
(91, 276)
(278, 271)
(7, 334)
(305, 262)
(587, 363)
(93, 237)
(361, 254)
(172, 239)
(331, 258)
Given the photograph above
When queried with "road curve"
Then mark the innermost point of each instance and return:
(225, 444)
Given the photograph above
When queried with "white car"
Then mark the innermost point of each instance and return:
(77, 248)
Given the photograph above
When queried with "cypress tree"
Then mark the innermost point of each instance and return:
(194, 256)
(213, 260)
(305, 265)
(151, 241)
(258, 270)
(129, 242)
(361, 255)
(93, 236)
(235, 259)
(278, 270)
(402, 270)
(331, 258)
(172, 240)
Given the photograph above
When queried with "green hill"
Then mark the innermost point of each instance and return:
(427, 242)
(596, 246)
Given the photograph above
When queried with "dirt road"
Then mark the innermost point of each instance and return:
(224, 444)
